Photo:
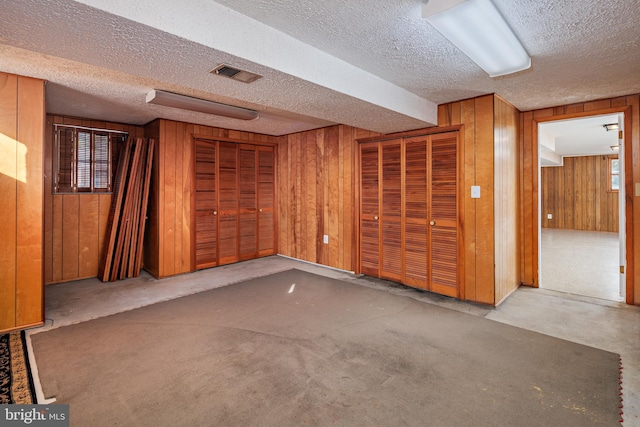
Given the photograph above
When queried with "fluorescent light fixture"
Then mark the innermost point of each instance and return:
(478, 29)
(170, 99)
(610, 126)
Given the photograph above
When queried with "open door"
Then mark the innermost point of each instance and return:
(621, 208)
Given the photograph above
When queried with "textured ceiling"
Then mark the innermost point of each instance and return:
(373, 64)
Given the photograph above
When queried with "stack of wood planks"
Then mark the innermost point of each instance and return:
(122, 254)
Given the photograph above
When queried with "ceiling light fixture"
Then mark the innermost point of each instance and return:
(610, 126)
(478, 29)
(170, 99)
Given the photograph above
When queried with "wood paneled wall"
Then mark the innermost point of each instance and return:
(74, 224)
(21, 152)
(506, 177)
(168, 235)
(317, 176)
(529, 187)
(489, 149)
(577, 195)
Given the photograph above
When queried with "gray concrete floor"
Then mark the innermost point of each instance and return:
(608, 325)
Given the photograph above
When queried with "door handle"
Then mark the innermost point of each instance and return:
(432, 222)
(375, 217)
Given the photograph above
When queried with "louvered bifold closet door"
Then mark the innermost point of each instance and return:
(369, 209)
(206, 218)
(443, 191)
(248, 212)
(391, 211)
(266, 201)
(415, 212)
(228, 203)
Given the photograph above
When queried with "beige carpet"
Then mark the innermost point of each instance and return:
(296, 349)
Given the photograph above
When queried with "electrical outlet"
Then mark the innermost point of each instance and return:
(549, 216)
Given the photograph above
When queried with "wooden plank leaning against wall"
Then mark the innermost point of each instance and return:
(169, 233)
(74, 224)
(630, 105)
(21, 151)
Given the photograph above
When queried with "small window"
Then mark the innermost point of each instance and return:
(86, 159)
(614, 174)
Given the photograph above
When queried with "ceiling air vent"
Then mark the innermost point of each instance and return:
(235, 74)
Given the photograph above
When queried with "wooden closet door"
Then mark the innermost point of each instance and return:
(415, 212)
(443, 230)
(266, 201)
(228, 202)
(248, 203)
(391, 264)
(206, 235)
(370, 209)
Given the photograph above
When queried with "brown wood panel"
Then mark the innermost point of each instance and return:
(70, 228)
(316, 194)
(369, 209)
(442, 194)
(9, 162)
(48, 202)
(228, 208)
(88, 229)
(577, 195)
(206, 205)
(29, 199)
(391, 264)
(484, 171)
(415, 212)
(266, 201)
(506, 137)
(467, 117)
(248, 202)
(179, 192)
(335, 242)
(168, 248)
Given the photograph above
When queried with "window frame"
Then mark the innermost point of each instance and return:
(611, 174)
(70, 166)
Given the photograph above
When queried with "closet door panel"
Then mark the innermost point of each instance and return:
(415, 212)
(444, 214)
(369, 209)
(248, 203)
(266, 201)
(391, 265)
(206, 234)
(228, 201)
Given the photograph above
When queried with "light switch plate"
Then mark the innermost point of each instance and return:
(475, 191)
(326, 239)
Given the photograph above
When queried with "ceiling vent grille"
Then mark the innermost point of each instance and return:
(235, 74)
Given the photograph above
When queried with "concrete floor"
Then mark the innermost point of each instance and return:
(608, 325)
(581, 263)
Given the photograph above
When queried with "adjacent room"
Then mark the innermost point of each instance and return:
(336, 213)
(582, 208)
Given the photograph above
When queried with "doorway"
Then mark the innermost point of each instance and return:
(581, 206)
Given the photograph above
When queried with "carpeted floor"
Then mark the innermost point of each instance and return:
(294, 348)
(16, 385)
